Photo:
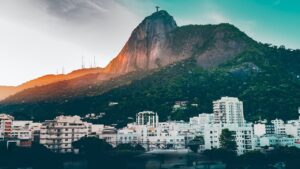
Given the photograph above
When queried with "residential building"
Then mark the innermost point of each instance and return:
(198, 123)
(279, 126)
(5, 126)
(276, 140)
(59, 134)
(109, 134)
(243, 136)
(228, 110)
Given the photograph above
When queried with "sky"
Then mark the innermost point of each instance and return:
(39, 37)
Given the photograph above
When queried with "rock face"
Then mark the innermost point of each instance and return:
(146, 45)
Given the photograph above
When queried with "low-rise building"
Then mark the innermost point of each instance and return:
(109, 134)
(277, 140)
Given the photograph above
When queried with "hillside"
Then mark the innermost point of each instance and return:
(162, 63)
(266, 79)
(6, 91)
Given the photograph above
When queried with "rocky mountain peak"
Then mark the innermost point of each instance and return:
(157, 24)
(143, 50)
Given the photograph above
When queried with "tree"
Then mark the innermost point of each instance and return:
(139, 147)
(226, 156)
(92, 145)
(253, 160)
(96, 151)
(227, 140)
(125, 146)
(289, 155)
(195, 143)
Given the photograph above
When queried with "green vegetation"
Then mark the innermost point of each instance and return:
(37, 157)
(282, 157)
(195, 143)
(227, 140)
(93, 153)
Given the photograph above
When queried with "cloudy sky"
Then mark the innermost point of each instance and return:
(39, 37)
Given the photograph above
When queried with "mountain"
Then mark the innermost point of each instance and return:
(154, 43)
(147, 46)
(6, 91)
(162, 63)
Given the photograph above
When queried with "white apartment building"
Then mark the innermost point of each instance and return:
(149, 118)
(5, 126)
(276, 140)
(212, 134)
(21, 134)
(173, 134)
(243, 137)
(279, 126)
(228, 111)
(198, 123)
(59, 134)
(21, 130)
(128, 135)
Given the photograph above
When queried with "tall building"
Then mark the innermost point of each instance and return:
(59, 134)
(148, 118)
(229, 111)
(5, 126)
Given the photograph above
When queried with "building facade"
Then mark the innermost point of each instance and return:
(228, 110)
(5, 126)
(59, 134)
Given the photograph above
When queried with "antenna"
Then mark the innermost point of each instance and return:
(62, 70)
(94, 61)
(82, 62)
(157, 8)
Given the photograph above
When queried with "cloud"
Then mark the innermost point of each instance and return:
(56, 33)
